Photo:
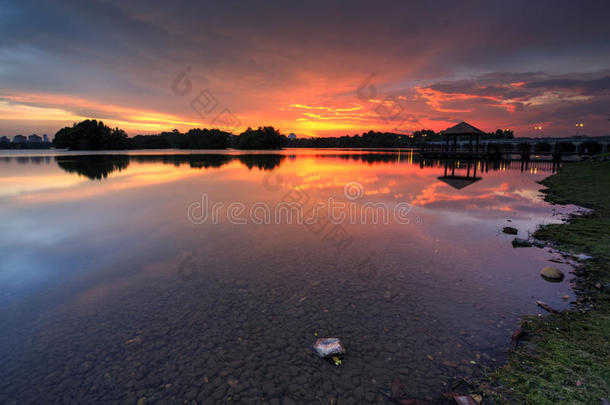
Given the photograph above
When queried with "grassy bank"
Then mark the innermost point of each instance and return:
(565, 358)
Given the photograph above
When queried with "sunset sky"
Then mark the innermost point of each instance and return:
(312, 68)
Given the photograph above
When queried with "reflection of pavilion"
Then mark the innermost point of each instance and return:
(459, 181)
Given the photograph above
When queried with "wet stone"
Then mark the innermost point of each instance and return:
(326, 347)
(521, 243)
(510, 230)
(551, 274)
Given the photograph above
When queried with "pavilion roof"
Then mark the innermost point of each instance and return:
(463, 128)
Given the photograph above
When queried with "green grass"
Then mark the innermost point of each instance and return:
(565, 358)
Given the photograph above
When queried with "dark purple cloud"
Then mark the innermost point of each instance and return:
(585, 87)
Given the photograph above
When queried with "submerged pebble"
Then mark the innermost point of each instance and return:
(326, 347)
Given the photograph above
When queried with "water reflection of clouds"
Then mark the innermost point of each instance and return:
(439, 193)
(26, 183)
(133, 177)
(497, 194)
(20, 270)
(72, 214)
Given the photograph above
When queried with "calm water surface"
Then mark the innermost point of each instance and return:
(110, 291)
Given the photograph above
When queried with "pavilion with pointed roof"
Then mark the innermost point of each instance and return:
(463, 129)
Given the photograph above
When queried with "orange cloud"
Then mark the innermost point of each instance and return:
(326, 108)
(436, 99)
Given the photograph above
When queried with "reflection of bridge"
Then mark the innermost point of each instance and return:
(483, 166)
(556, 148)
(413, 157)
(459, 174)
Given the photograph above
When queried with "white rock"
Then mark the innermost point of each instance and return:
(326, 347)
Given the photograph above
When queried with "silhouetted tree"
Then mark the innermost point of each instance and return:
(261, 138)
(206, 139)
(370, 139)
(90, 135)
(149, 142)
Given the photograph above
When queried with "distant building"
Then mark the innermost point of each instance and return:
(45, 138)
(292, 136)
(4, 139)
(34, 138)
(19, 139)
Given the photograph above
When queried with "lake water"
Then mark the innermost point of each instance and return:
(187, 277)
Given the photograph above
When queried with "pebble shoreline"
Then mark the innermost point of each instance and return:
(205, 339)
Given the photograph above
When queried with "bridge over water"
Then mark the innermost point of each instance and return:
(526, 147)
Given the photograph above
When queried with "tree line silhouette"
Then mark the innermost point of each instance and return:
(94, 135)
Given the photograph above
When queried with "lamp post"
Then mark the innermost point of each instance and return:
(579, 125)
